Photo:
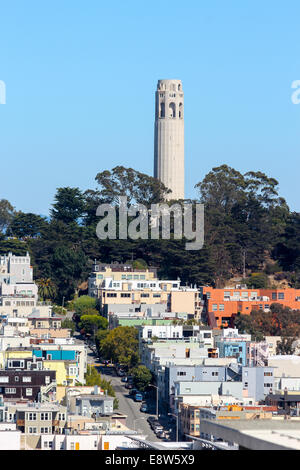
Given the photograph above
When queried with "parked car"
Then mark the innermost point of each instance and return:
(144, 408)
(124, 379)
(133, 390)
(158, 429)
(156, 425)
(138, 396)
(151, 419)
(129, 386)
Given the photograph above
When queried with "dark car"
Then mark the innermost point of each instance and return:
(151, 419)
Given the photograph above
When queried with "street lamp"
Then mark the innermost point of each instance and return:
(176, 416)
(156, 398)
(134, 421)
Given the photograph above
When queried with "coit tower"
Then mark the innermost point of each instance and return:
(169, 137)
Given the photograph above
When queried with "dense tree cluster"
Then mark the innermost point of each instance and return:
(247, 223)
(280, 321)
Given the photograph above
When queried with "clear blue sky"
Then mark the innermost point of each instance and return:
(81, 78)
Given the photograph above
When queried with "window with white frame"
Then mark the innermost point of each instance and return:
(45, 430)
(26, 379)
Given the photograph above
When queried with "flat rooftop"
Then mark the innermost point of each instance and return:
(257, 434)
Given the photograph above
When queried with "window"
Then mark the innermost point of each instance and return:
(221, 307)
(44, 430)
(246, 384)
(214, 307)
(48, 444)
(281, 295)
(45, 416)
(181, 373)
(28, 392)
(32, 430)
(268, 374)
(215, 374)
(180, 110)
(172, 110)
(10, 391)
(274, 295)
(26, 379)
(31, 416)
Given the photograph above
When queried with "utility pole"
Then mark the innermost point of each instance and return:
(244, 264)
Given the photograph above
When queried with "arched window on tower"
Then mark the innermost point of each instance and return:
(180, 112)
(179, 87)
(162, 110)
(172, 110)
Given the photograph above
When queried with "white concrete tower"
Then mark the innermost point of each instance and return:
(169, 136)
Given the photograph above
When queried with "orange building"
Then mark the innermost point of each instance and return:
(221, 305)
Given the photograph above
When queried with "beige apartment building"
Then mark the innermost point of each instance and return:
(177, 299)
(116, 272)
(121, 284)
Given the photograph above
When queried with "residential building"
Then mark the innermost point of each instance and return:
(258, 382)
(41, 418)
(41, 319)
(25, 384)
(222, 305)
(116, 272)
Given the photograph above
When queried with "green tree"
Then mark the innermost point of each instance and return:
(92, 323)
(26, 225)
(142, 377)
(69, 325)
(138, 187)
(6, 214)
(84, 305)
(286, 346)
(257, 281)
(121, 346)
(46, 289)
(68, 206)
